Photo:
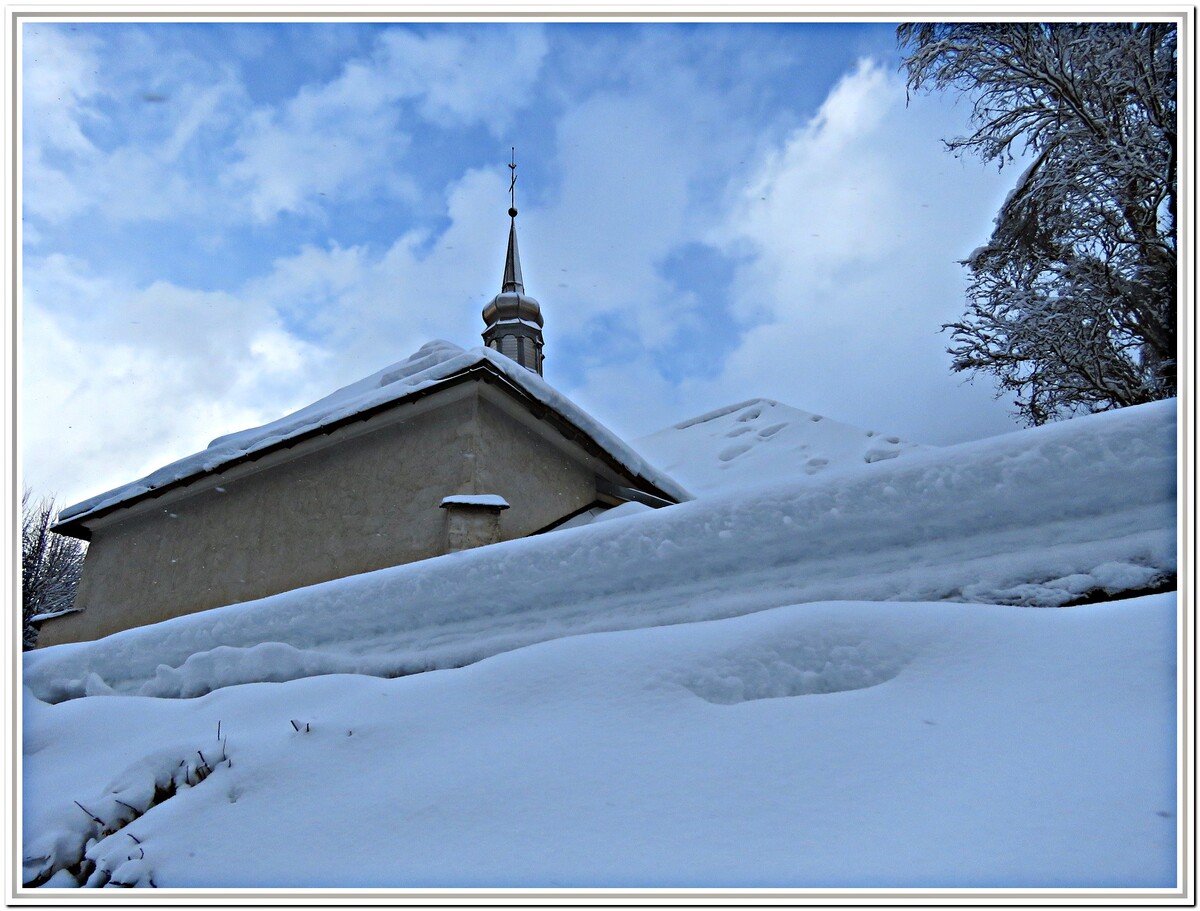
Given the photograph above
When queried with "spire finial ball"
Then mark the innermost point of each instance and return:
(512, 213)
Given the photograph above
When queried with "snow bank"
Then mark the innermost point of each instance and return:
(855, 745)
(761, 439)
(1038, 517)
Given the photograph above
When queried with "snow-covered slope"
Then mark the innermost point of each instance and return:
(736, 727)
(818, 745)
(763, 440)
(1041, 517)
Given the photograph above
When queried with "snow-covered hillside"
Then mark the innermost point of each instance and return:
(818, 745)
(763, 440)
(1039, 517)
(781, 684)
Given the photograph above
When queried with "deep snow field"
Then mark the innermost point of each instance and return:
(836, 678)
(816, 745)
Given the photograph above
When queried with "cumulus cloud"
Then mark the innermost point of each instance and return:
(93, 145)
(843, 235)
(641, 163)
(826, 203)
(374, 306)
(347, 137)
(851, 231)
(481, 74)
(622, 157)
(116, 380)
(320, 144)
(143, 130)
(58, 85)
(59, 82)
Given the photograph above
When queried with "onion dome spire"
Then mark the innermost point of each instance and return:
(513, 318)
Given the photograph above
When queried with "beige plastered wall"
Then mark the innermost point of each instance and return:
(360, 499)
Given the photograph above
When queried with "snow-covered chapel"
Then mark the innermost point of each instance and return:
(445, 450)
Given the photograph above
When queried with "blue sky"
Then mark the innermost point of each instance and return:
(226, 221)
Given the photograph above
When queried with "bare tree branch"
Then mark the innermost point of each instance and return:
(51, 565)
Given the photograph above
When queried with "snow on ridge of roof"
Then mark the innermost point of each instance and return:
(719, 413)
(413, 371)
(432, 363)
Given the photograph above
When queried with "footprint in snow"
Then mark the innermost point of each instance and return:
(728, 455)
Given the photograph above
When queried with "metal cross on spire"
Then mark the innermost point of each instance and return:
(512, 197)
(513, 282)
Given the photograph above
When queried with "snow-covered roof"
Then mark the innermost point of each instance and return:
(493, 500)
(433, 364)
(763, 441)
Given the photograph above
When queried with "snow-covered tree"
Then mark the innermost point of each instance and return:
(1072, 301)
(51, 565)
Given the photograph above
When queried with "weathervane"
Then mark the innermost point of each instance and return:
(512, 197)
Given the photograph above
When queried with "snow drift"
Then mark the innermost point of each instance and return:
(1046, 516)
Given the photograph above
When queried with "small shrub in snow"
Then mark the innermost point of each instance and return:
(102, 852)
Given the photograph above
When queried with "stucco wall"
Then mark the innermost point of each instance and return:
(521, 459)
(361, 499)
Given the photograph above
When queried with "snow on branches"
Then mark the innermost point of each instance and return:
(1071, 304)
(51, 565)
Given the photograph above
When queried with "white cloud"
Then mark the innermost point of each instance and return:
(347, 137)
(625, 168)
(200, 107)
(117, 381)
(58, 84)
(47, 192)
(462, 77)
(854, 227)
(642, 167)
(320, 144)
(374, 308)
(167, 176)
(826, 203)
(59, 80)
(70, 90)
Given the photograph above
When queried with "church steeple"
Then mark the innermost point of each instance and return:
(512, 262)
(512, 318)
